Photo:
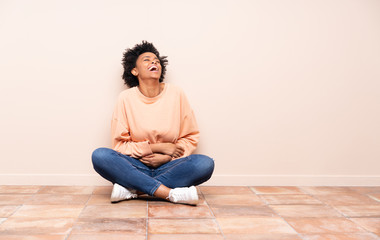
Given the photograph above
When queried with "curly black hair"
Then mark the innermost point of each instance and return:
(129, 62)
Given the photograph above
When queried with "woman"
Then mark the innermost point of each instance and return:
(154, 133)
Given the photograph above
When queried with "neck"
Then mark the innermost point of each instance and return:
(150, 88)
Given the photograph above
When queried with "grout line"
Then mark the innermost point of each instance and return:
(147, 220)
(24, 203)
(337, 210)
(264, 201)
(372, 197)
(328, 205)
(251, 188)
(217, 223)
(39, 190)
(77, 218)
(275, 212)
(299, 234)
(267, 204)
(303, 190)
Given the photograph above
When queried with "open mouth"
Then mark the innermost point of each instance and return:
(153, 68)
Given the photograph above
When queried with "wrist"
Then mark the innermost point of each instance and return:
(156, 147)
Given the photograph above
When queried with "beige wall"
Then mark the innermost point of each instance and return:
(285, 92)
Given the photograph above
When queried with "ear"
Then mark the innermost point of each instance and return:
(134, 72)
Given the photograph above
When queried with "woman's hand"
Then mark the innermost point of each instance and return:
(170, 149)
(155, 160)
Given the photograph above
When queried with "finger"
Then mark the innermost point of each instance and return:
(178, 150)
(145, 160)
(147, 164)
(180, 147)
(181, 151)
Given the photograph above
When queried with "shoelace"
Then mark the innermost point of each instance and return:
(180, 195)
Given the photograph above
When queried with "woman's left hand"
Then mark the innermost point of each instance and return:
(155, 160)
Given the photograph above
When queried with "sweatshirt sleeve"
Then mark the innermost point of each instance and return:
(189, 132)
(120, 134)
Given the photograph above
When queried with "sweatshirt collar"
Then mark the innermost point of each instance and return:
(150, 100)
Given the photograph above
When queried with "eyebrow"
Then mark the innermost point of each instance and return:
(149, 57)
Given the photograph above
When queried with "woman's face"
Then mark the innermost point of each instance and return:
(147, 66)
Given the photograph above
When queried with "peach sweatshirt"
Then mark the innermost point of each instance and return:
(138, 121)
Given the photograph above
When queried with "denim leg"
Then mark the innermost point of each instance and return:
(124, 170)
(184, 172)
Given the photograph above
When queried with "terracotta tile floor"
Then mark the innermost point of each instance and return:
(224, 213)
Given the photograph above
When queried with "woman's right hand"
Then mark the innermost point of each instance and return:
(178, 152)
(170, 149)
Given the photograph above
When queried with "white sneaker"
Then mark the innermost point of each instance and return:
(120, 193)
(186, 195)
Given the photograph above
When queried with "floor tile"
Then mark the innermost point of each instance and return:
(107, 190)
(366, 189)
(66, 190)
(105, 200)
(182, 226)
(347, 199)
(48, 211)
(8, 210)
(107, 236)
(114, 211)
(305, 211)
(327, 190)
(259, 225)
(375, 196)
(340, 236)
(233, 200)
(14, 199)
(112, 226)
(8, 189)
(360, 210)
(262, 237)
(277, 190)
(185, 237)
(36, 226)
(100, 200)
(242, 211)
(370, 224)
(179, 211)
(31, 237)
(158, 201)
(57, 199)
(222, 190)
(323, 225)
(289, 199)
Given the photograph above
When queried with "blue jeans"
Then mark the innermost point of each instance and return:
(131, 173)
